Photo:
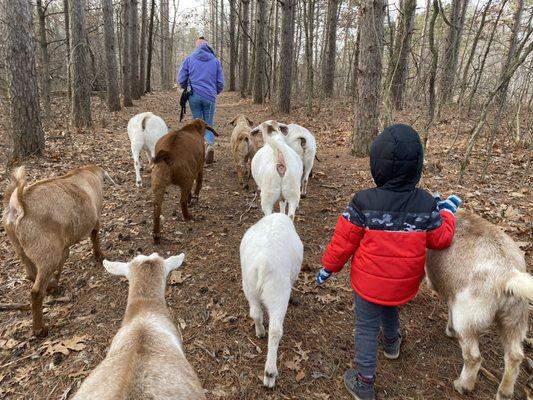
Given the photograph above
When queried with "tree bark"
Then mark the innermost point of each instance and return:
(369, 80)
(148, 87)
(142, 51)
(45, 59)
(113, 99)
(67, 42)
(328, 71)
(134, 50)
(164, 21)
(451, 51)
(286, 55)
(421, 77)
(309, 14)
(244, 47)
(21, 76)
(260, 52)
(80, 109)
(232, 45)
(404, 34)
(355, 77)
(126, 54)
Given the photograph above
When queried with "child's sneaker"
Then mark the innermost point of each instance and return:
(391, 349)
(360, 387)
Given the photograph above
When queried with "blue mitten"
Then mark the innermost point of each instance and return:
(451, 204)
(322, 276)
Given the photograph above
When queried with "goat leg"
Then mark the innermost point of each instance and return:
(95, 240)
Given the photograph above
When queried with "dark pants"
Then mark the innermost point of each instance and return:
(370, 318)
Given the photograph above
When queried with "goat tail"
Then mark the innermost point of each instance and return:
(14, 206)
(520, 285)
(262, 272)
(145, 120)
(210, 128)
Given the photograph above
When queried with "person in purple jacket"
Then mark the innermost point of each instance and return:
(202, 71)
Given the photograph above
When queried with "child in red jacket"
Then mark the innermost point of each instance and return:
(386, 230)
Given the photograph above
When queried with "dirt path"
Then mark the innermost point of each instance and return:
(208, 303)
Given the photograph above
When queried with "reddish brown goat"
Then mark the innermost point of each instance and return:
(44, 219)
(179, 160)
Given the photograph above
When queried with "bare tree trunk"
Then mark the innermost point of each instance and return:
(150, 48)
(142, 52)
(232, 45)
(260, 52)
(370, 66)
(309, 14)
(421, 77)
(328, 71)
(113, 99)
(67, 42)
(472, 53)
(45, 59)
(80, 110)
(355, 78)
(404, 34)
(274, 49)
(244, 47)
(451, 52)
(221, 29)
(126, 54)
(511, 52)
(286, 56)
(253, 40)
(164, 21)
(134, 50)
(25, 120)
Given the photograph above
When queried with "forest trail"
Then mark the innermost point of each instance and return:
(205, 296)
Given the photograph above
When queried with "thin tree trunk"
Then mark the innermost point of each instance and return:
(80, 110)
(232, 45)
(286, 56)
(134, 50)
(328, 71)
(253, 40)
(148, 87)
(25, 121)
(164, 21)
(355, 78)
(275, 47)
(221, 29)
(244, 47)
(260, 52)
(421, 77)
(45, 59)
(67, 42)
(370, 66)
(126, 54)
(309, 14)
(113, 98)
(142, 52)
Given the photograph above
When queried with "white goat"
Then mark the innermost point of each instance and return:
(144, 130)
(277, 169)
(271, 257)
(483, 278)
(146, 358)
(302, 142)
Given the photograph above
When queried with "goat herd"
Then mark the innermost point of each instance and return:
(482, 276)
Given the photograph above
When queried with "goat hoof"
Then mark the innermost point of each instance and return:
(461, 388)
(99, 258)
(269, 380)
(42, 332)
(245, 187)
(450, 332)
(503, 396)
(138, 184)
(157, 239)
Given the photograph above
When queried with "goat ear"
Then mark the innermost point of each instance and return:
(232, 122)
(173, 262)
(255, 131)
(284, 129)
(117, 268)
(250, 122)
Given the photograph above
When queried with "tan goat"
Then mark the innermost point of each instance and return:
(44, 219)
(483, 278)
(146, 358)
(179, 160)
(243, 147)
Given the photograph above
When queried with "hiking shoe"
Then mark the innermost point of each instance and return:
(391, 349)
(359, 387)
(209, 154)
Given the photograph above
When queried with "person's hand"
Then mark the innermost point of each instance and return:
(322, 276)
(451, 204)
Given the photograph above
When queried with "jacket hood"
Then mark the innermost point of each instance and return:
(204, 53)
(397, 158)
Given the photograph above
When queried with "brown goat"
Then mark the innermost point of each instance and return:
(243, 147)
(179, 160)
(146, 358)
(44, 219)
(483, 278)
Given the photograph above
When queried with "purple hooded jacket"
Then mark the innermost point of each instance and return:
(204, 71)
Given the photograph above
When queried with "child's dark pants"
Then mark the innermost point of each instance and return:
(369, 319)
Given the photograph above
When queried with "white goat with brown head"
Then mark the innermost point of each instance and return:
(146, 358)
(483, 278)
(277, 169)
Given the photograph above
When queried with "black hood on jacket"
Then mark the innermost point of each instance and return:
(396, 158)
